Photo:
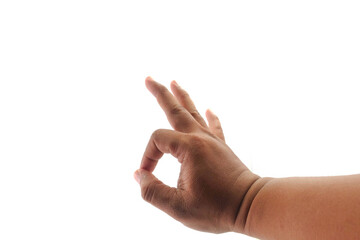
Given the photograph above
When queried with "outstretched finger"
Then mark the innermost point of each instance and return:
(185, 100)
(179, 118)
(162, 141)
(214, 124)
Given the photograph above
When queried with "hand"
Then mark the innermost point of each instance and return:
(215, 189)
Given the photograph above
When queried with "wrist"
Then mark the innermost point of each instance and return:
(241, 221)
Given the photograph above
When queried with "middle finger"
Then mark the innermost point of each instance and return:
(179, 118)
(185, 100)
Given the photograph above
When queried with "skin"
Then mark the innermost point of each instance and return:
(217, 193)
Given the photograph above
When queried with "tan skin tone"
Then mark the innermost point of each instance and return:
(217, 193)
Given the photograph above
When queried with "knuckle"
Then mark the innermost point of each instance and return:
(179, 124)
(184, 95)
(176, 109)
(197, 142)
(174, 147)
(145, 193)
(194, 112)
(156, 133)
(218, 127)
(148, 192)
(162, 90)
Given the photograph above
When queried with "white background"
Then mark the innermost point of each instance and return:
(75, 115)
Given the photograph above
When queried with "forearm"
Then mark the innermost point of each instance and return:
(306, 208)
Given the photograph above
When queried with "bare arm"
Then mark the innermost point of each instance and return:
(307, 208)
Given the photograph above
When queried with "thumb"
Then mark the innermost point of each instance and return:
(168, 199)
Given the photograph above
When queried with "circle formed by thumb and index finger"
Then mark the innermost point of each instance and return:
(161, 141)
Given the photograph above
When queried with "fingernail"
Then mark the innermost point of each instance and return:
(149, 78)
(137, 176)
(176, 84)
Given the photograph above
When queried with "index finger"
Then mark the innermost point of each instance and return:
(162, 141)
(179, 118)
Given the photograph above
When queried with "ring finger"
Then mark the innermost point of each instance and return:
(183, 97)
